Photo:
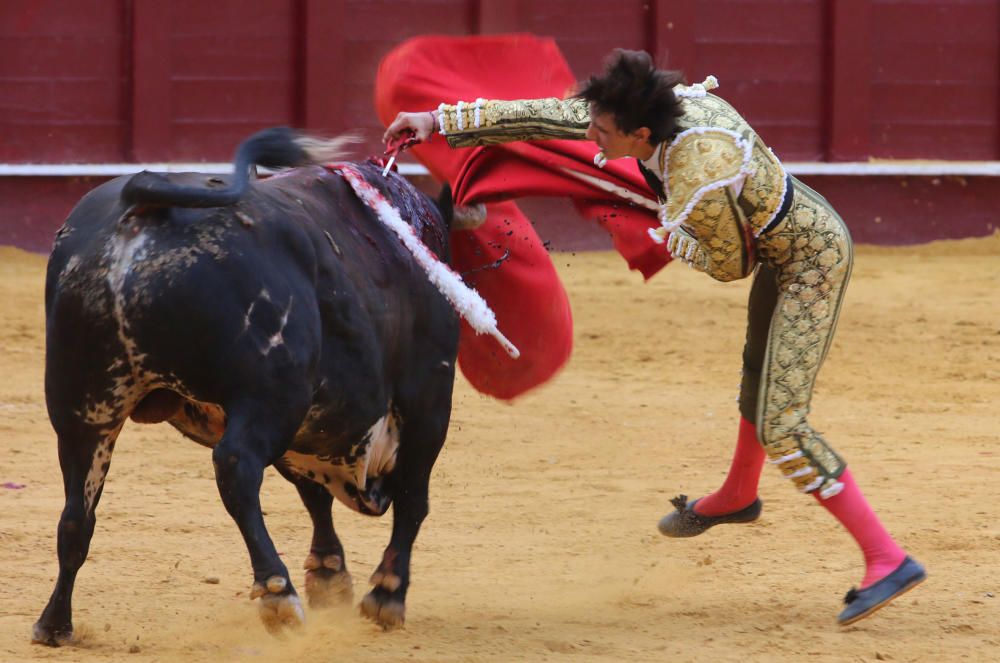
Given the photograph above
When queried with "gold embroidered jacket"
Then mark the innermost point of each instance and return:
(721, 185)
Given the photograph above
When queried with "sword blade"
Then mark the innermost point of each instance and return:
(388, 166)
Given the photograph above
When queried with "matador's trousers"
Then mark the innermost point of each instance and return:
(805, 264)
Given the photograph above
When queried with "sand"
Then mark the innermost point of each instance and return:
(542, 544)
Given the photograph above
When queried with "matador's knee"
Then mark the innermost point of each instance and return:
(804, 457)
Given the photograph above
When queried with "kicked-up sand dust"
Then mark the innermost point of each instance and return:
(542, 544)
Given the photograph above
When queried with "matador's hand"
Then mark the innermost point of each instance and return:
(421, 124)
(685, 247)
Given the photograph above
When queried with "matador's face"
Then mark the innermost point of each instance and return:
(614, 142)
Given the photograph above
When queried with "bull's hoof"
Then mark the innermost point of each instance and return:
(327, 582)
(326, 588)
(281, 612)
(279, 607)
(379, 606)
(52, 637)
(387, 580)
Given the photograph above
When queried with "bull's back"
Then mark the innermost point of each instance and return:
(184, 299)
(362, 266)
(299, 272)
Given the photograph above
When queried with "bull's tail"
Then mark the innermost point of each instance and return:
(279, 147)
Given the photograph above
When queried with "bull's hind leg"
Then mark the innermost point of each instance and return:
(421, 439)
(327, 580)
(257, 434)
(84, 457)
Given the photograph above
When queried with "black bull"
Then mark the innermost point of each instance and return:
(276, 321)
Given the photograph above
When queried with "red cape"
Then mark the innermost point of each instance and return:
(525, 292)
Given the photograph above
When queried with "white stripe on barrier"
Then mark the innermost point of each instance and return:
(902, 168)
(801, 168)
(115, 169)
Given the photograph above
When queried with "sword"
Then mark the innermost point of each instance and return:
(619, 191)
(395, 146)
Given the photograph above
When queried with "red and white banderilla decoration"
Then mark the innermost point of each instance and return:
(466, 301)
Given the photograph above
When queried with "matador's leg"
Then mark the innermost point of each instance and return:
(739, 489)
(736, 500)
(760, 311)
(811, 250)
(813, 253)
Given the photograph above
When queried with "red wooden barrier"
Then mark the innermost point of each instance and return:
(103, 81)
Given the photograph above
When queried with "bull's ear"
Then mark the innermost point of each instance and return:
(446, 206)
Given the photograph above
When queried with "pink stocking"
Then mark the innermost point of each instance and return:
(740, 487)
(849, 506)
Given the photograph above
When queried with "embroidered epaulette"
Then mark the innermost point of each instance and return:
(697, 90)
(698, 161)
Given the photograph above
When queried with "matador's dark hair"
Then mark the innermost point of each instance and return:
(636, 93)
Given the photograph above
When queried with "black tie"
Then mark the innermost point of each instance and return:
(653, 181)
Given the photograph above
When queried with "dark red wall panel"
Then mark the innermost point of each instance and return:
(232, 72)
(371, 29)
(934, 79)
(112, 80)
(769, 59)
(97, 81)
(61, 81)
(35, 207)
(911, 210)
(585, 30)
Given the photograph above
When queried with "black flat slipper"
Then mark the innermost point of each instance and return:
(686, 522)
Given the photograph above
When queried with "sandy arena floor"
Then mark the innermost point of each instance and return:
(542, 544)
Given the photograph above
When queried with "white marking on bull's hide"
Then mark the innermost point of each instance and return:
(246, 318)
(63, 232)
(378, 458)
(126, 373)
(122, 251)
(70, 267)
(264, 295)
(101, 413)
(384, 436)
(147, 267)
(98, 468)
(275, 340)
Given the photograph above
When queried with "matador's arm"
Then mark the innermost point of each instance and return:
(721, 256)
(489, 122)
(686, 248)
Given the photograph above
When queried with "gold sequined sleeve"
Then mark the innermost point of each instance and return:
(720, 248)
(686, 248)
(489, 122)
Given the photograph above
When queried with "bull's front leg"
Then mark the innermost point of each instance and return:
(327, 580)
(255, 437)
(385, 604)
